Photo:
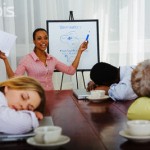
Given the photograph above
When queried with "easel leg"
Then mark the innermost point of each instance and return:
(77, 80)
(83, 80)
(61, 81)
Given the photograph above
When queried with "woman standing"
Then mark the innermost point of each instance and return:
(41, 65)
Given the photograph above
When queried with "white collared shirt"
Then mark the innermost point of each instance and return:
(15, 122)
(123, 90)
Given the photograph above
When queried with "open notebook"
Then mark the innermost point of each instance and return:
(12, 137)
(81, 93)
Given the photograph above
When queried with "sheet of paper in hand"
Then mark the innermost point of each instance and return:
(7, 40)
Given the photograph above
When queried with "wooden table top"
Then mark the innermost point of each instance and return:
(90, 126)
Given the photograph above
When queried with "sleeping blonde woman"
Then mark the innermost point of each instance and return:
(22, 101)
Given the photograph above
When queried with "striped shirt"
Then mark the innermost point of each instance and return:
(36, 69)
(15, 122)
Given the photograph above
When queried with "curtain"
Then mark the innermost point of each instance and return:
(123, 29)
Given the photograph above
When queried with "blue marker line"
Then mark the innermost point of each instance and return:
(87, 37)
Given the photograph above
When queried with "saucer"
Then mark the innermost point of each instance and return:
(140, 139)
(61, 141)
(98, 99)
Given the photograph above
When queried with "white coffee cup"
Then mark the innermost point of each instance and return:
(138, 127)
(97, 93)
(47, 134)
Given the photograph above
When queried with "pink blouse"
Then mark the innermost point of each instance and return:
(36, 69)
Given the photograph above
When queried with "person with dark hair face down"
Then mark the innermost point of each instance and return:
(115, 81)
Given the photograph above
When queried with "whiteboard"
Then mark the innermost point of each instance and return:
(65, 37)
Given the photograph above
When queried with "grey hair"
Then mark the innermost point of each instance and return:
(140, 79)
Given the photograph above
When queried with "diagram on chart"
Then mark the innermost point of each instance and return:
(70, 38)
(72, 41)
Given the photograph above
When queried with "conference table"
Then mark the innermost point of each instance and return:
(90, 125)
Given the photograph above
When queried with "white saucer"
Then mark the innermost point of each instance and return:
(97, 100)
(141, 139)
(61, 141)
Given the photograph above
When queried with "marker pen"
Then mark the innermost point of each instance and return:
(87, 37)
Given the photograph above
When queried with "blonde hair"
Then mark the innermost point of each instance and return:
(140, 79)
(26, 83)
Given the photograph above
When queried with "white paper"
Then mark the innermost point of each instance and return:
(7, 40)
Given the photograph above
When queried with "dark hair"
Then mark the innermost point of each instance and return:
(36, 30)
(104, 74)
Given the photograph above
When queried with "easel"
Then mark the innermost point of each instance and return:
(72, 18)
(71, 15)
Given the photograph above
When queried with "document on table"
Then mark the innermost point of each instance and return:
(7, 40)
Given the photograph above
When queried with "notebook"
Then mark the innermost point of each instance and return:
(81, 93)
(12, 137)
